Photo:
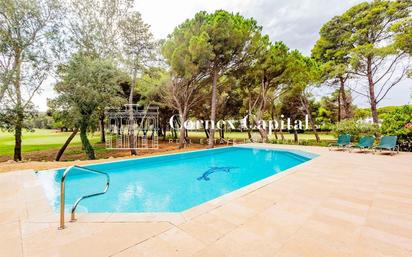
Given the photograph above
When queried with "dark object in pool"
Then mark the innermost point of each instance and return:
(213, 170)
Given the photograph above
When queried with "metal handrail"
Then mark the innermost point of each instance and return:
(62, 192)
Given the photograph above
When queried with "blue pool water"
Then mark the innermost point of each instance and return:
(169, 183)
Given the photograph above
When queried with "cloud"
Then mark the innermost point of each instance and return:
(295, 22)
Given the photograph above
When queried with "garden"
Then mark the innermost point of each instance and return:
(213, 66)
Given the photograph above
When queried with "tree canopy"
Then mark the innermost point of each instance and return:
(87, 85)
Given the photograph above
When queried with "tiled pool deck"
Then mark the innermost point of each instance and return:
(338, 204)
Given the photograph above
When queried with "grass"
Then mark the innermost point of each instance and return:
(40, 139)
(43, 139)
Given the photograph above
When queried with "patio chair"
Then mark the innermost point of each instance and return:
(343, 142)
(387, 143)
(364, 143)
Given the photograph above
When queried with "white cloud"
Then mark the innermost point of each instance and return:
(296, 22)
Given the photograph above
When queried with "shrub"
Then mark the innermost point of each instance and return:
(355, 128)
(399, 123)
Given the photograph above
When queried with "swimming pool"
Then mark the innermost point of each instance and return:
(169, 183)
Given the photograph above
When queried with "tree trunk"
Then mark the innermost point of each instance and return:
(182, 132)
(222, 132)
(164, 131)
(339, 106)
(132, 144)
(346, 105)
(263, 135)
(85, 141)
(213, 109)
(262, 109)
(310, 117)
(102, 129)
(207, 131)
(272, 114)
(248, 127)
(160, 130)
(174, 133)
(66, 144)
(262, 131)
(176, 124)
(372, 97)
(315, 131)
(295, 135)
(281, 134)
(17, 136)
(19, 109)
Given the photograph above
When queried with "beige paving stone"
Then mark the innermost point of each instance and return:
(10, 243)
(210, 251)
(153, 247)
(335, 222)
(393, 218)
(201, 231)
(199, 210)
(271, 231)
(369, 247)
(221, 225)
(254, 202)
(309, 248)
(29, 228)
(11, 247)
(242, 242)
(108, 239)
(234, 213)
(173, 242)
(386, 237)
(338, 204)
(182, 241)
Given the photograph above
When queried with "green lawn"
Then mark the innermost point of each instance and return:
(43, 139)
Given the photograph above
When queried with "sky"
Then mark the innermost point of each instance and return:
(295, 22)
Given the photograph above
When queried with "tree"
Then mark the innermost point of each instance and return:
(229, 103)
(303, 73)
(291, 107)
(86, 85)
(137, 48)
(403, 30)
(399, 123)
(28, 36)
(332, 51)
(152, 85)
(376, 55)
(217, 43)
(184, 52)
(94, 25)
(331, 106)
(263, 80)
(270, 70)
(228, 36)
(103, 28)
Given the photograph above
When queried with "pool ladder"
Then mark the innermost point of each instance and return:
(62, 191)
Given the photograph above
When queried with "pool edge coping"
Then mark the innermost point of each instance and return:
(174, 218)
